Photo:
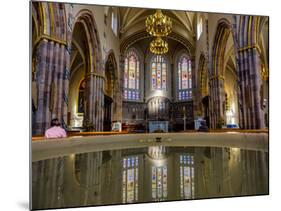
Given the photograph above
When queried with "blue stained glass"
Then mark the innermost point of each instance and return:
(133, 162)
(131, 75)
(184, 77)
(124, 163)
(129, 162)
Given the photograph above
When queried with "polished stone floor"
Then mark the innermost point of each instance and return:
(148, 174)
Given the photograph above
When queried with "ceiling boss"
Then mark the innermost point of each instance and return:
(158, 25)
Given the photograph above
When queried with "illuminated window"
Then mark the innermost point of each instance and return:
(130, 179)
(81, 97)
(114, 22)
(159, 73)
(186, 176)
(159, 183)
(131, 77)
(184, 78)
(199, 27)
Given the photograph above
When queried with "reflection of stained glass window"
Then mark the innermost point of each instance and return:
(184, 78)
(159, 73)
(130, 179)
(131, 76)
(159, 183)
(186, 176)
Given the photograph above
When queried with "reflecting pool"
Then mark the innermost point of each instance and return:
(154, 173)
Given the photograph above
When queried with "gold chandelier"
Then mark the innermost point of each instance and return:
(158, 24)
(158, 46)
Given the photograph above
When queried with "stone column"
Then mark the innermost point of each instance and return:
(51, 82)
(94, 111)
(216, 90)
(121, 85)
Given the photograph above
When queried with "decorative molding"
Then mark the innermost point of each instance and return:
(216, 77)
(249, 47)
(95, 74)
(49, 38)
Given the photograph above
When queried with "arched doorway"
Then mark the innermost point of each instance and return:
(109, 91)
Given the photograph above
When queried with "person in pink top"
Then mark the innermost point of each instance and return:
(55, 131)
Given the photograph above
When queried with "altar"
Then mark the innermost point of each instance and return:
(155, 126)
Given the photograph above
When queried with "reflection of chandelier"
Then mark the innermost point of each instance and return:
(158, 46)
(158, 24)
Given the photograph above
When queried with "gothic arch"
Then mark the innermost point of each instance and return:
(111, 73)
(219, 45)
(94, 73)
(87, 19)
(216, 77)
(203, 76)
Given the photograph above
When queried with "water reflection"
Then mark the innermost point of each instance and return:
(148, 174)
(187, 176)
(130, 179)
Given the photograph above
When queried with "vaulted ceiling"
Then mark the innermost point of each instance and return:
(132, 26)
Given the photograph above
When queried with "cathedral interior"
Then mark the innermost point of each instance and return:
(96, 65)
(153, 74)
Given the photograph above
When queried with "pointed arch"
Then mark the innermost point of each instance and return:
(220, 40)
(94, 73)
(87, 19)
(132, 75)
(184, 77)
(216, 78)
(111, 74)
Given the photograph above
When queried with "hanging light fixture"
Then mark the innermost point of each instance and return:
(158, 46)
(158, 25)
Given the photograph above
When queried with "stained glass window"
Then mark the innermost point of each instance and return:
(81, 96)
(159, 183)
(184, 78)
(187, 176)
(131, 76)
(159, 73)
(130, 179)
